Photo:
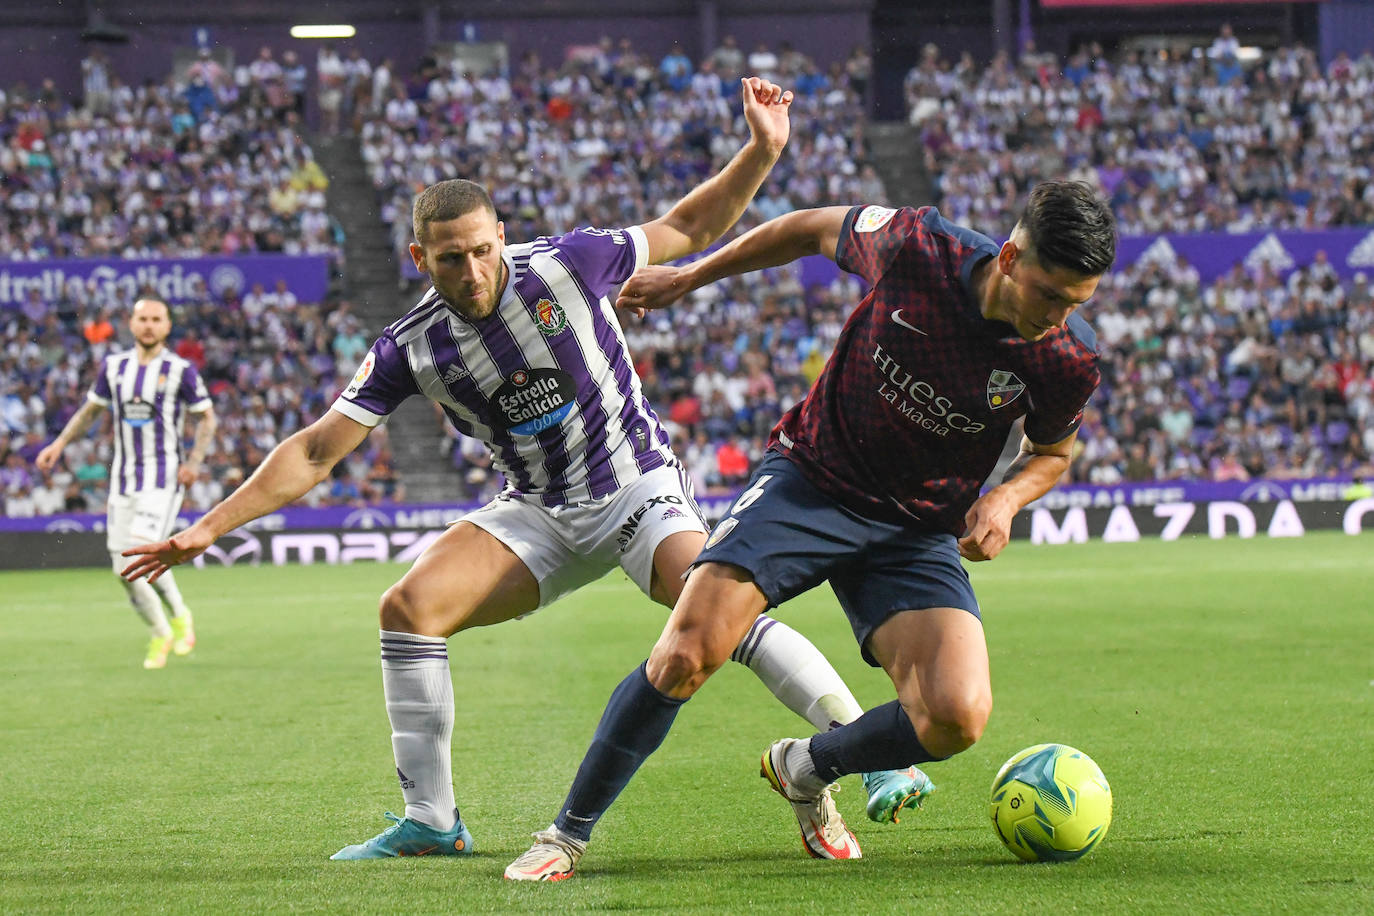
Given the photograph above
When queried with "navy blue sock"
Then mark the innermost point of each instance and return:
(880, 739)
(635, 722)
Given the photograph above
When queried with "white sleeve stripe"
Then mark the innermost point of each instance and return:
(358, 414)
(641, 245)
(97, 399)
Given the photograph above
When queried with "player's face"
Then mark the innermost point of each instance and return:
(150, 323)
(463, 259)
(1037, 299)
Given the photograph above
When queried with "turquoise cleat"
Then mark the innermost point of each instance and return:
(890, 791)
(411, 838)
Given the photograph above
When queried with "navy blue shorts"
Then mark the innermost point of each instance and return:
(790, 537)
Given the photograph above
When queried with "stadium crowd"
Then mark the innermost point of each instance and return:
(207, 162)
(609, 138)
(1179, 142)
(1253, 374)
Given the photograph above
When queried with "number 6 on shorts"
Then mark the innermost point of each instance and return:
(751, 495)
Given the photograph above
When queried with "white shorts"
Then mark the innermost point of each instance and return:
(141, 518)
(565, 547)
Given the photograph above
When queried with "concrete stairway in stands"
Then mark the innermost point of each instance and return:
(372, 283)
(894, 147)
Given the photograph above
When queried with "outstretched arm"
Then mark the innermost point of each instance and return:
(779, 241)
(715, 205)
(1036, 469)
(81, 421)
(294, 466)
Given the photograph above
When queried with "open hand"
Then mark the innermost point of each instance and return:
(152, 560)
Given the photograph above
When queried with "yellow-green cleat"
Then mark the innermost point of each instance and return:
(158, 647)
(892, 791)
(183, 634)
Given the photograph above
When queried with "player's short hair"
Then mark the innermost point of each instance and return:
(1071, 227)
(153, 300)
(448, 200)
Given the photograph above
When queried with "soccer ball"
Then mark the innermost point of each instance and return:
(1050, 803)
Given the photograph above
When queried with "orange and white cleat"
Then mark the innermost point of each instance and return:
(553, 857)
(823, 830)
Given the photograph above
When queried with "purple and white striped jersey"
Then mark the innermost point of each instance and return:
(149, 404)
(546, 381)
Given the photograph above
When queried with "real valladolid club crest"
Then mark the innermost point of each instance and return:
(1003, 388)
(549, 315)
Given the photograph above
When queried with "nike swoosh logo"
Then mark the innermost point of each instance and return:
(897, 317)
(418, 852)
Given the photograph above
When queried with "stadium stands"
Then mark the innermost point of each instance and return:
(606, 140)
(1251, 374)
(203, 163)
(1179, 143)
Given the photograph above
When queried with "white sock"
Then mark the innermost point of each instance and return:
(801, 769)
(166, 586)
(144, 600)
(797, 674)
(419, 703)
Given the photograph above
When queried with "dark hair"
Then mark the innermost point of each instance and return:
(1070, 227)
(448, 200)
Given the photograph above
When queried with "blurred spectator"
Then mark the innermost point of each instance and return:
(331, 77)
(728, 59)
(95, 83)
(676, 69)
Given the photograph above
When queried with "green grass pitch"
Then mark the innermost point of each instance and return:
(1225, 687)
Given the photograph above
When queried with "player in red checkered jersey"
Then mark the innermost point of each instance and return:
(873, 481)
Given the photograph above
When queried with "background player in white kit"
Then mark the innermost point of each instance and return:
(520, 346)
(150, 390)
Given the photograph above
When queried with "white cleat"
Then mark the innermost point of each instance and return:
(553, 857)
(822, 828)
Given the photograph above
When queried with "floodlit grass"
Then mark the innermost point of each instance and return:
(1225, 687)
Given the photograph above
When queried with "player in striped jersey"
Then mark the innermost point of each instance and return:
(149, 390)
(520, 346)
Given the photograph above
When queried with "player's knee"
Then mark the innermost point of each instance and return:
(682, 666)
(957, 720)
(402, 611)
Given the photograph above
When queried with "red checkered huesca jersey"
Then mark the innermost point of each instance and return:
(916, 402)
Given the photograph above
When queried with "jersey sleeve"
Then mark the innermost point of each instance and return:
(1057, 412)
(100, 390)
(603, 258)
(382, 382)
(871, 237)
(192, 391)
